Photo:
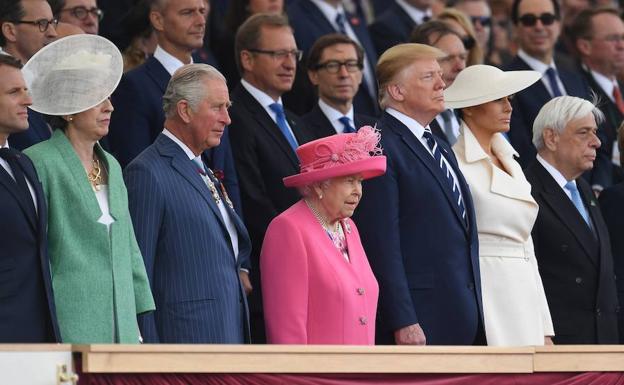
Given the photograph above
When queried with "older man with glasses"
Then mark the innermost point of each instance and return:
(25, 27)
(81, 13)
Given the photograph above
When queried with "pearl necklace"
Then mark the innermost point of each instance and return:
(336, 234)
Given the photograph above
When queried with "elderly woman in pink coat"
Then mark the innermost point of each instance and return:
(317, 285)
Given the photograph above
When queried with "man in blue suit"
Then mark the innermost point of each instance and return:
(417, 221)
(193, 242)
(311, 19)
(27, 311)
(22, 40)
(139, 116)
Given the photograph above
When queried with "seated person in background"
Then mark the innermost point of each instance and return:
(461, 24)
(317, 285)
(570, 237)
(515, 310)
(99, 278)
(335, 67)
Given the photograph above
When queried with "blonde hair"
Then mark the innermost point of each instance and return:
(475, 55)
(392, 63)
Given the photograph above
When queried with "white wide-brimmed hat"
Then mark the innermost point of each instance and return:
(73, 74)
(479, 84)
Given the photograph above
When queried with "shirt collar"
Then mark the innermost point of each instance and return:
(557, 176)
(333, 114)
(416, 128)
(604, 82)
(262, 97)
(191, 155)
(170, 62)
(535, 64)
(329, 11)
(474, 152)
(414, 13)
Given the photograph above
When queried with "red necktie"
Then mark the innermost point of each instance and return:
(617, 95)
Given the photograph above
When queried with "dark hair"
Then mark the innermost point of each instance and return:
(326, 41)
(10, 11)
(56, 6)
(10, 61)
(248, 34)
(237, 12)
(431, 32)
(582, 27)
(56, 122)
(516, 5)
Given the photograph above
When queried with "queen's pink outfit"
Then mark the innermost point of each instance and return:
(312, 292)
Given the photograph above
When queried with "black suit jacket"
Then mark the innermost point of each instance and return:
(317, 123)
(575, 263)
(27, 310)
(612, 205)
(262, 157)
(392, 27)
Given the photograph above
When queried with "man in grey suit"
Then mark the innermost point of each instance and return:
(193, 243)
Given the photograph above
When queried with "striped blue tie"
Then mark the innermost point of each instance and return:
(442, 163)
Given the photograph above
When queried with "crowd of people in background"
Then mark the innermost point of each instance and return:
(312, 171)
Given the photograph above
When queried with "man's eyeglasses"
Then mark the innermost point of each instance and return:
(281, 54)
(529, 19)
(81, 12)
(43, 24)
(469, 42)
(334, 66)
(485, 21)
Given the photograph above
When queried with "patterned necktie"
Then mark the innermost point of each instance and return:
(346, 122)
(551, 73)
(578, 203)
(340, 22)
(10, 156)
(617, 96)
(283, 125)
(447, 116)
(437, 155)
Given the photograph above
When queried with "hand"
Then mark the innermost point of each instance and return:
(244, 277)
(548, 340)
(410, 335)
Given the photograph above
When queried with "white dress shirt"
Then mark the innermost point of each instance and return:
(229, 224)
(6, 166)
(170, 62)
(557, 176)
(333, 115)
(540, 67)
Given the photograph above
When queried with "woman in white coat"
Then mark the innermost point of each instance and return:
(514, 304)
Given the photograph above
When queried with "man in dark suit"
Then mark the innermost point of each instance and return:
(27, 311)
(312, 19)
(22, 40)
(570, 237)
(264, 135)
(193, 242)
(438, 34)
(417, 221)
(395, 25)
(597, 35)
(335, 68)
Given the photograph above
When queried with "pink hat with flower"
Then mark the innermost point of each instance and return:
(339, 155)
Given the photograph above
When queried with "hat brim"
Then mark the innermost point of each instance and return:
(367, 168)
(508, 84)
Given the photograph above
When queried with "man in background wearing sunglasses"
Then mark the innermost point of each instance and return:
(25, 27)
(82, 13)
(335, 65)
(481, 17)
(537, 27)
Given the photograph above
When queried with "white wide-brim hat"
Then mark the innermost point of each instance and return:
(479, 84)
(73, 74)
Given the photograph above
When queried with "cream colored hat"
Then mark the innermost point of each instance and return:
(478, 84)
(73, 74)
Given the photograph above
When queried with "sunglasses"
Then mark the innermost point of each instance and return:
(485, 21)
(469, 42)
(529, 19)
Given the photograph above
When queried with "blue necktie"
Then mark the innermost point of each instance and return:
(340, 22)
(578, 203)
(551, 73)
(346, 122)
(437, 155)
(283, 125)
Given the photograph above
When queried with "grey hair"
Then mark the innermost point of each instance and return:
(307, 190)
(558, 112)
(187, 83)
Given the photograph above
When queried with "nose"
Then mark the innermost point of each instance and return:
(290, 61)
(358, 188)
(595, 141)
(107, 105)
(226, 118)
(460, 64)
(51, 31)
(342, 71)
(27, 99)
(440, 82)
(508, 106)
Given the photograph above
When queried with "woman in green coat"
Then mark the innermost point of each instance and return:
(99, 279)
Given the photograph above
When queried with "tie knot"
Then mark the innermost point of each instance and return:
(551, 72)
(200, 164)
(6, 152)
(277, 108)
(571, 187)
(340, 18)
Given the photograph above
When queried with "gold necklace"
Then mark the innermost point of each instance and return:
(95, 175)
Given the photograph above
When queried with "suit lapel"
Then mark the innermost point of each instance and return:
(563, 208)
(319, 124)
(425, 157)
(10, 184)
(158, 73)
